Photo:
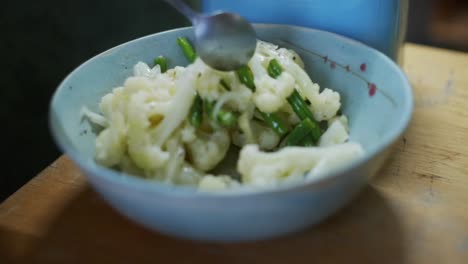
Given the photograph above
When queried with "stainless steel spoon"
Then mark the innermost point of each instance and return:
(224, 41)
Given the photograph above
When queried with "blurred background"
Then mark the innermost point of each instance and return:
(42, 41)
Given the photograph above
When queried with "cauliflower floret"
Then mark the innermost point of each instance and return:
(188, 175)
(128, 166)
(143, 70)
(178, 108)
(207, 81)
(266, 48)
(292, 55)
(268, 139)
(176, 159)
(95, 118)
(241, 101)
(175, 72)
(188, 133)
(110, 143)
(111, 103)
(156, 89)
(141, 148)
(262, 135)
(336, 134)
(137, 113)
(247, 135)
(210, 183)
(338, 156)
(216, 85)
(146, 155)
(269, 51)
(237, 100)
(342, 119)
(271, 93)
(265, 136)
(146, 131)
(324, 105)
(240, 95)
(207, 150)
(263, 169)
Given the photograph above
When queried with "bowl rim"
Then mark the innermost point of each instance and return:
(87, 164)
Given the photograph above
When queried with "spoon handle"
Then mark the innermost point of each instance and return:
(184, 9)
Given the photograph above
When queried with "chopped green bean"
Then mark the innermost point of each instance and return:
(208, 107)
(162, 62)
(196, 112)
(307, 142)
(246, 77)
(226, 118)
(295, 100)
(275, 122)
(274, 69)
(303, 112)
(305, 133)
(223, 117)
(299, 106)
(187, 48)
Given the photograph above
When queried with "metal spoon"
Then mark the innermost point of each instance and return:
(224, 41)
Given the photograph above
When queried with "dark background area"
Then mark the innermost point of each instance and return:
(42, 41)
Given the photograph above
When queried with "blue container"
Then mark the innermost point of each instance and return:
(377, 23)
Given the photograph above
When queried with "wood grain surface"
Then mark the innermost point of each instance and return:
(414, 211)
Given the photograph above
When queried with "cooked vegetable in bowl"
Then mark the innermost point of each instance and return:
(177, 125)
(167, 167)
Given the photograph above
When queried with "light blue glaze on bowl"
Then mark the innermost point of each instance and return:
(333, 61)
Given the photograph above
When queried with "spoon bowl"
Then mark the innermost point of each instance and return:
(224, 41)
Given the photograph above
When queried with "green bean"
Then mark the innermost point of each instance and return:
(295, 100)
(187, 49)
(223, 117)
(208, 107)
(307, 142)
(246, 77)
(226, 118)
(305, 133)
(303, 112)
(196, 112)
(274, 69)
(299, 106)
(275, 122)
(162, 62)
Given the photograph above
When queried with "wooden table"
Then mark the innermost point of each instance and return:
(414, 211)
